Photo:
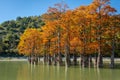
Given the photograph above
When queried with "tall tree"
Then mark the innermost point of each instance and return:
(30, 44)
(54, 15)
(102, 9)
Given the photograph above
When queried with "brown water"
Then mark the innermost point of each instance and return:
(21, 70)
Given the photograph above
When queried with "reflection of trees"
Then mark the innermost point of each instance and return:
(46, 72)
(24, 72)
(8, 70)
(30, 72)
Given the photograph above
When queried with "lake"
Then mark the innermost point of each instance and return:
(21, 70)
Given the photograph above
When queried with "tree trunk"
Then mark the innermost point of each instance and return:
(90, 61)
(59, 48)
(112, 64)
(29, 59)
(82, 61)
(49, 60)
(59, 59)
(55, 60)
(49, 56)
(86, 61)
(75, 59)
(45, 58)
(67, 49)
(67, 60)
(113, 48)
(36, 60)
(99, 61)
(95, 60)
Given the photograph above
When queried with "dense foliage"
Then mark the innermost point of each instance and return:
(10, 32)
(87, 31)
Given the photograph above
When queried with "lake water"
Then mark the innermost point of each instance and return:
(21, 70)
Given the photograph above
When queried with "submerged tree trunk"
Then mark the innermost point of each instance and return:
(67, 48)
(99, 61)
(74, 59)
(67, 56)
(48, 55)
(95, 60)
(86, 61)
(59, 48)
(29, 59)
(67, 60)
(112, 64)
(60, 59)
(99, 39)
(82, 61)
(49, 59)
(36, 59)
(90, 61)
(44, 59)
(55, 59)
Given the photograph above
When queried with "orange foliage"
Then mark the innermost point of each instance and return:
(82, 30)
(30, 42)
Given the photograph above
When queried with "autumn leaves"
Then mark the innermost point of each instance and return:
(30, 42)
(83, 31)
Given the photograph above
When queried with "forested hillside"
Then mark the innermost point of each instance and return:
(11, 30)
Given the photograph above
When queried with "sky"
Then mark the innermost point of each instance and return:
(11, 9)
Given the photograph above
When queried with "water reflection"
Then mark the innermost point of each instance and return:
(46, 72)
(24, 71)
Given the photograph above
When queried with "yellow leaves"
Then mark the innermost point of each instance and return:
(75, 42)
(93, 45)
(29, 42)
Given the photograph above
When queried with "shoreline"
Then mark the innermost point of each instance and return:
(13, 59)
(25, 59)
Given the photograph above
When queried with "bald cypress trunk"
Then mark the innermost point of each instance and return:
(49, 56)
(49, 59)
(112, 64)
(90, 61)
(75, 59)
(59, 48)
(99, 39)
(99, 59)
(67, 56)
